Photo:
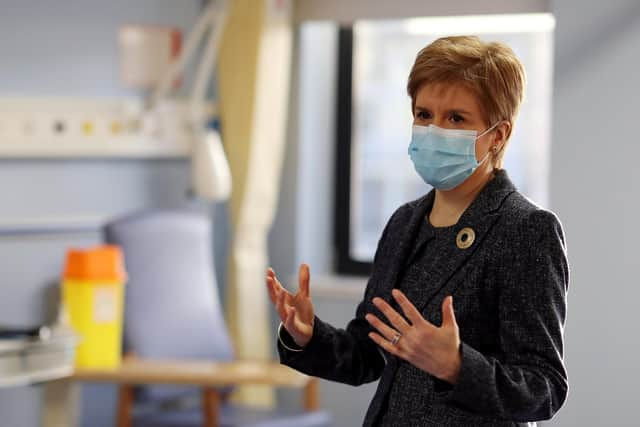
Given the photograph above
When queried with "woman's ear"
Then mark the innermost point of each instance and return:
(503, 131)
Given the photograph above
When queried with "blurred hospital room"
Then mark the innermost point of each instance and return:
(158, 156)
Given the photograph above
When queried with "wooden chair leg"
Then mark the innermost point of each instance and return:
(125, 404)
(311, 400)
(210, 407)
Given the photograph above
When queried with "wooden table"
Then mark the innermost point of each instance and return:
(60, 408)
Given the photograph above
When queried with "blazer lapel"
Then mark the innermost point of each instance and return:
(480, 217)
(400, 255)
(406, 241)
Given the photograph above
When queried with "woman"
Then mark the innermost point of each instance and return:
(462, 318)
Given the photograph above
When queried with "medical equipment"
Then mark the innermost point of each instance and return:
(160, 127)
(211, 178)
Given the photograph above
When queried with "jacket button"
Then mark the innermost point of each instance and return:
(465, 238)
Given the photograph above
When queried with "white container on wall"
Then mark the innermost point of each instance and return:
(145, 53)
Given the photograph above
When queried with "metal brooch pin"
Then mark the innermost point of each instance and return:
(465, 238)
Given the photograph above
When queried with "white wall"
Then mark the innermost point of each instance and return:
(595, 171)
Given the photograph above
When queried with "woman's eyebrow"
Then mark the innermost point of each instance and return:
(459, 111)
(449, 111)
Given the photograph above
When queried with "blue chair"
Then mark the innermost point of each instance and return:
(173, 312)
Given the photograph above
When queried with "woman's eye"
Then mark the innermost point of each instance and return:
(423, 115)
(456, 118)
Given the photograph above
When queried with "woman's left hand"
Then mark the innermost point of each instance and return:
(435, 350)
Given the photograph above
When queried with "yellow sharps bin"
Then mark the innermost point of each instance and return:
(93, 296)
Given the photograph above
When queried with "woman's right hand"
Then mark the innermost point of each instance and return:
(295, 311)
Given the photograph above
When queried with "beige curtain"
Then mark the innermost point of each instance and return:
(253, 79)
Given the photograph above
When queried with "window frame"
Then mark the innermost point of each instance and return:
(344, 262)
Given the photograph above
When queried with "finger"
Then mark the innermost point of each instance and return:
(386, 345)
(273, 293)
(407, 307)
(271, 273)
(384, 330)
(289, 321)
(393, 316)
(448, 314)
(277, 286)
(303, 279)
(280, 307)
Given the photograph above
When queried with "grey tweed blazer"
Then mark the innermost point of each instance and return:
(509, 290)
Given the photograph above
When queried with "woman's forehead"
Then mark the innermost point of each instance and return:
(444, 94)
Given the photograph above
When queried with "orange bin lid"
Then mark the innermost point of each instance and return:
(102, 263)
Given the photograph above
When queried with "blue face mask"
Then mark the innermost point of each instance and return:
(444, 158)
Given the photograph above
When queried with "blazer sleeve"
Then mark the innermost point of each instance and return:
(526, 380)
(343, 355)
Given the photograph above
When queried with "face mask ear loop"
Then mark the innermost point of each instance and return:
(482, 134)
(488, 130)
(484, 158)
(488, 152)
